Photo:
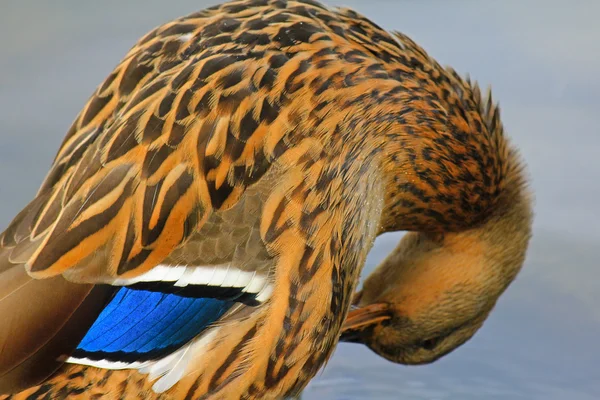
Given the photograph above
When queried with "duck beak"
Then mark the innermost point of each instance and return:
(361, 318)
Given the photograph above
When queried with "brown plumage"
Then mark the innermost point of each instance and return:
(435, 290)
(261, 141)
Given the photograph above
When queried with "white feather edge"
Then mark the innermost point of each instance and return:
(167, 370)
(225, 276)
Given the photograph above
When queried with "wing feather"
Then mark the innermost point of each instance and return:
(128, 189)
(54, 315)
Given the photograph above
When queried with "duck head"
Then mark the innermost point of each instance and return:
(436, 289)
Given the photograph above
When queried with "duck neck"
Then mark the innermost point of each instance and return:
(485, 258)
(505, 234)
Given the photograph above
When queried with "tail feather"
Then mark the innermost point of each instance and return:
(42, 323)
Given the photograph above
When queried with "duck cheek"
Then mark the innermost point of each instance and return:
(395, 353)
(385, 343)
(389, 353)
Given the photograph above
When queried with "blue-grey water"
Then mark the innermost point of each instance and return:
(542, 59)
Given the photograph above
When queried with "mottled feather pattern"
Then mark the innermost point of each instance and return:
(268, 136)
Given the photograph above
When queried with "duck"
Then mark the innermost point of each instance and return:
(435, 290)
(203, 226)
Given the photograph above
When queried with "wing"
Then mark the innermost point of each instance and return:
(121, 196)
(148, 191)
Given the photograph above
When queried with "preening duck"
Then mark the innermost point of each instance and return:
(435, 290)
(202, 228)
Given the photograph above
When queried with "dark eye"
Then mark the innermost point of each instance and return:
(430, 344)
